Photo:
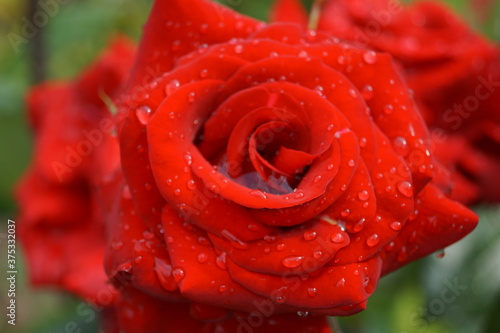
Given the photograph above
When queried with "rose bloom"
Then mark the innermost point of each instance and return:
(453, 71)
(269, 175)
(268, 170)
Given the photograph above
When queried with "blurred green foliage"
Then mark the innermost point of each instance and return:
(407, 301)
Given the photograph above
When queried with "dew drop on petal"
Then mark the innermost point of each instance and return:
(317, 179)
(311, 291)
(178, 274)
(310, 235)
(171, 87)
(370, 57)
(388, 109)
(280, 247)
(396, 225)
(202, 258)
(204, 73)
(143, 114)
(238, 49)
(299, 195)
(367, 92)
(191, 97)
(317, 254)
(373, 240)
(340, 283)
(191, 185)
(440, 254)
(293, 261)
(337, 238)
(401, 146)
(405, 188)
(258, 194)
(363, 195)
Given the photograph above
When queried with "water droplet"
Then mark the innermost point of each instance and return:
(191, 185)
(293, 261)
(222, 288)
(171, 87)
(270, 238)
(401, 146)
(280, 299)
(178, 274)
(341, 60)
(367, 92)
(299, 195)
(143, 114)
(170, 239)
(352, 93)
(163, 273)
(202, 258)
(203, 28)
(388, 109)
(191, 97)
(340, 283)
(177, 192)
(362, 142)
(310, 235)
(351, 163)
(345, 212)
(373, 240)
(317, 179)
(440, 254)
(280, 247)
(363, 195)
(330, 127)
(370, 57)
(238, 49)
(148, 186)
(220, 261)
(302, 313)
(359, 225)
(312, 291)
(317, 254)
(258, 194)
(405, 188)
(204, 73)
(330, 167)
(396, 225)
(337, 238)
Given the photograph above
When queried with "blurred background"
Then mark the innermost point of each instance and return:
(459, 292)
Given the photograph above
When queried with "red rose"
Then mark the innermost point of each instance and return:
(60, 224)
(267, 167)
(453, 71)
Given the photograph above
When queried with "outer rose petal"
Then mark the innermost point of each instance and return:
(432, 227)
(137, 312)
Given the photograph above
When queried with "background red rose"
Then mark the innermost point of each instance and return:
(60, 224)
(452, 70)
